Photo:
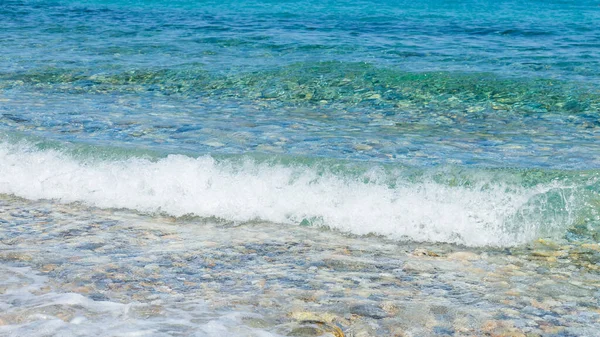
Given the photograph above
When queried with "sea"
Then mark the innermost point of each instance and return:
(300, 168)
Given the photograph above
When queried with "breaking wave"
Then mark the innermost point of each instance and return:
(470, 207)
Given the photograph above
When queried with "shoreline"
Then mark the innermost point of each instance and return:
(179, 276)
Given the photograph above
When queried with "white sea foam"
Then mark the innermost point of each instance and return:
(28, 310)
(488, 214)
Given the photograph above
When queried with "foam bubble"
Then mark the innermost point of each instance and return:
(479, 214)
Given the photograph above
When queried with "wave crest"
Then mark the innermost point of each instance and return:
(482, 212)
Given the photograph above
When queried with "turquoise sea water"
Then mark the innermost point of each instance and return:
(300, 168)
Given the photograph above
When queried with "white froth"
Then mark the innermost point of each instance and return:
(29, 311)
(179, 185)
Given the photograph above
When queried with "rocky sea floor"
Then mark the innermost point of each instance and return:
(72, 270)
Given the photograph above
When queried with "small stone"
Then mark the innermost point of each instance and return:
(489, 326)
(390, 308)
(513, 293)
(316, 328)
(255, 322)
(419, 267)
(548, 243)
(306, 331)
(313, 316)
(368, 310)
(424, 252)
(16, 257)
(500, 107)
(540, 305)
(148, 311)
(83, 290)
(152, 266)
(473, 109)
(361, 329)
(541, 253)
(48, 268)
(463, 256)
(363, 147)
(591, 246)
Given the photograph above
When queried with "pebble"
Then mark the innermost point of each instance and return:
(16, 256)
(591, 246)
(463, 256)
(369, 310)
(315, 328)
(418, 266)
(424, 252)
(314, 316)
(363, 147)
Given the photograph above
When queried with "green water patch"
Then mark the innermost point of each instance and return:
(348, 84)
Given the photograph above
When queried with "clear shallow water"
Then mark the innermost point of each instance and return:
(71, 270)
(473, 123)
